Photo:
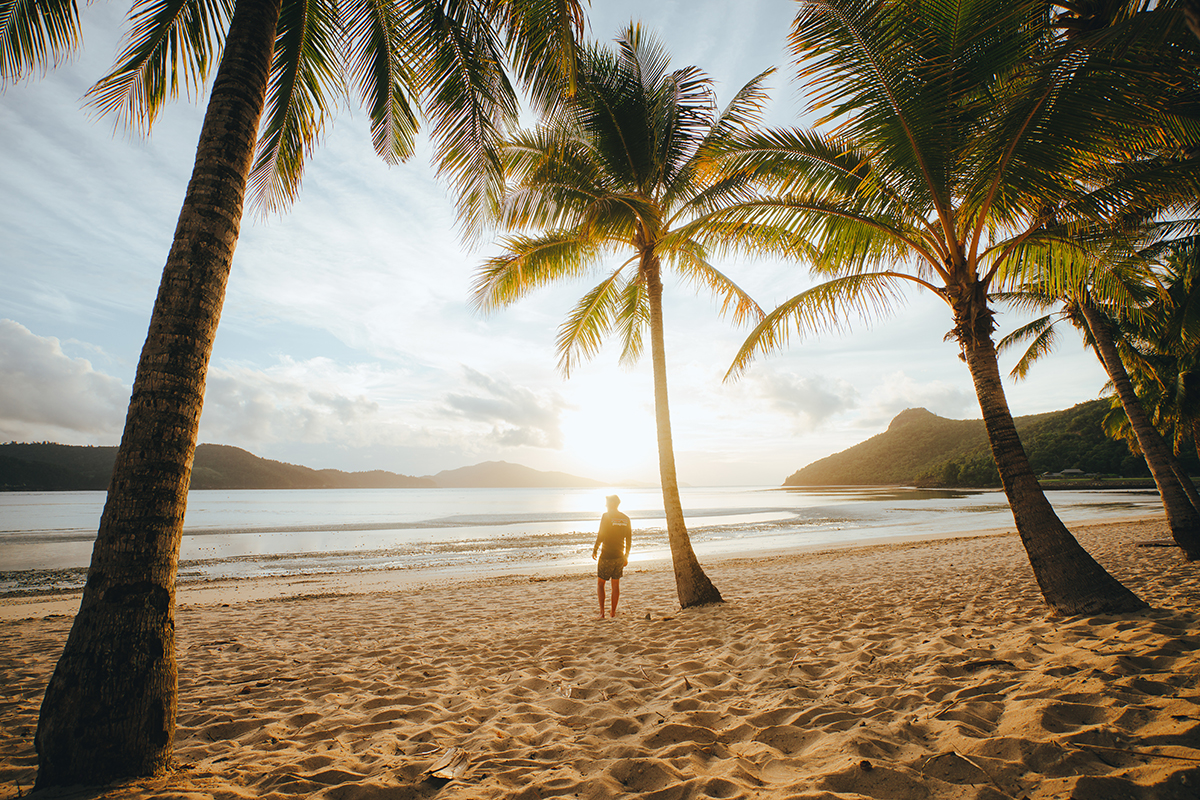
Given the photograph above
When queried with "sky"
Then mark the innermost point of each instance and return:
(347, 340)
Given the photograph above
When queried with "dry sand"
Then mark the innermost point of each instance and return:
(914, 670)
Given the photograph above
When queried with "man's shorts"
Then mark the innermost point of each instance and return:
(609, 568)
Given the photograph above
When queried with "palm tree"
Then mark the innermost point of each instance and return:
(110, 707)
(962, 128)
(1165, 366)
(1160, 349)
(1091, 288)
(628, 170)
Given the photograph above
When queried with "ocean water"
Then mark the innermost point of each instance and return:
(46, 537)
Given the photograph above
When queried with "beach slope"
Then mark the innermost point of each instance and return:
(895, 671)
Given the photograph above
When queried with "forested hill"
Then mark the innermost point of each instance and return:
(921, 448)
(47, 467)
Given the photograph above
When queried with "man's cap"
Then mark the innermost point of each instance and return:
(612, 498)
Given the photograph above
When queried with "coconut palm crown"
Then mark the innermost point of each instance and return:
(960, 131)
(626, 181)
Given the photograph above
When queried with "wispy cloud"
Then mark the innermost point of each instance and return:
(519, 416)
(809, 399)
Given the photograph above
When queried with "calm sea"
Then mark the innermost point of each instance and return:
(46, 537)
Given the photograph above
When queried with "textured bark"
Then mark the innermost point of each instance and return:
(109, 710)
(1072, 582)
(1182, 517)
(692, 585)
(1185, 481)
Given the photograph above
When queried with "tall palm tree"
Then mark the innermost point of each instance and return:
(1091, 289)
(1160, 348)
(962, 128)
(1166, 365)
(110, 707)
(628, 170)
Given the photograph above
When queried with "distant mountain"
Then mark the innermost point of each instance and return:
(501, 474)
(921, 448)
(46, 467)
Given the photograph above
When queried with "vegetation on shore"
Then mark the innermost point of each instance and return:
(920, 448)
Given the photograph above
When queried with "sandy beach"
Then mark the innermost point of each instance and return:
(925, 669)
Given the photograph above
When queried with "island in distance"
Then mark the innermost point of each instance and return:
(48, 467)
(920, 448)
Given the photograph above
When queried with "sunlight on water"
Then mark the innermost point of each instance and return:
(46, 538)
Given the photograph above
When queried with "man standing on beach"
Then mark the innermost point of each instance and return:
(613, 543)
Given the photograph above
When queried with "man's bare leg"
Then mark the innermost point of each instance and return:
(600, 595)
(616, 597)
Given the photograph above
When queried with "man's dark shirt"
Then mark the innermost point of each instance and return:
(616, 535)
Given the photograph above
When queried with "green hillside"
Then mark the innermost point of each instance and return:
(921, 448)
(47, 467)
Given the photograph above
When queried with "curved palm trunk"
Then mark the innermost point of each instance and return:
(691, 584)
(109, 710)
(1182, 515)
(1072, 582)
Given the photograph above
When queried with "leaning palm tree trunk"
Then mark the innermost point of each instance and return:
(691, 584)
(1072, 582)
(1182, 516)
(110, 707)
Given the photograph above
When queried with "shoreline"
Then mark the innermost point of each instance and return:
(920, 668)
(221, 591)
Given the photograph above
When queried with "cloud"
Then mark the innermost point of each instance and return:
(46, 394)
(296, 401)
(811, 399)
(519, 417)
(898, 391)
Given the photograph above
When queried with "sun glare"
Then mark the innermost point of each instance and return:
(611, 435)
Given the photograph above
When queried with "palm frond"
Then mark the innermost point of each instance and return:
(468, 98)
(528, 263)
(582, 333)
(1044, 335)
(553, 180)
(703, 178)
(848, 240)
(35, 34)
(306, 72)
(632, 319)
(169, 42)
(541, 37)
(380, 62)
(743, 114)
(690, 261)
(826, 307)
(809, 163)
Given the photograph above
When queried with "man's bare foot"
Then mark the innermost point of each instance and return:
(600, 615)
(613, 615)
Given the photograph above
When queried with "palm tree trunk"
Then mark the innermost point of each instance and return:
(109, 710)
(1072, 582)
(691, 583)
(1182, 516)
